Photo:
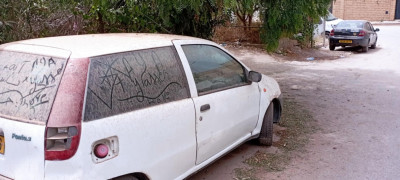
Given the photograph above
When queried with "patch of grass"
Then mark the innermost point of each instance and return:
(245, 174)
(298, 125)
(268, 161)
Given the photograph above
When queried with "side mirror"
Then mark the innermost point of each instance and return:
(377, 29)
(254, 76)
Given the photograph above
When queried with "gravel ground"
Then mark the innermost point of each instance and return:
(351, 109)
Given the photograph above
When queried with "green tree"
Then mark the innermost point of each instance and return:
(284, 18)
(103, 16)
(23, 19)
(244, 10)
(194, 18)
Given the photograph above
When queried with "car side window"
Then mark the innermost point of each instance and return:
(124, 82)
(213, 69)
(368, 26)
(371, 27)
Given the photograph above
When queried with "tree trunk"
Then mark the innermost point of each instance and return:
(100, 27)
(242, 19)
(250, 21)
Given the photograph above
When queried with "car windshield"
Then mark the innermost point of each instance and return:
(350, 25)
(28, 85)
(331, 17)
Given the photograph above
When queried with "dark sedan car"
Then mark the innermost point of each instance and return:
(353, 33)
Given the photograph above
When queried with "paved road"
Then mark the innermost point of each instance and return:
(356, 102)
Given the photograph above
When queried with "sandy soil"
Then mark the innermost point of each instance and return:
(355, 100)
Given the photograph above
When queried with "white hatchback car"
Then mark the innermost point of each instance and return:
(136, 106)
(331, 22)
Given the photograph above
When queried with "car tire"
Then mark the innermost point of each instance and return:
(365, 48)
(126, 177)
(374, 45)
(266, 133)
(331, 47)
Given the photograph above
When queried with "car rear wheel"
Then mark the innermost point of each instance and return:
(374, 45)
(126, 177)
(365, 48)
(331, 47)
(266, 133)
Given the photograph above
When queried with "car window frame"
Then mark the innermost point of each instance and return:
(245, 72)
(371, 27)
(185, 79)
(178, 43)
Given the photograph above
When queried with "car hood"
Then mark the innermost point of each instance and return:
(329, 24)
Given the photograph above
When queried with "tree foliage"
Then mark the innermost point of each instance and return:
(244, 10)
(22, 19)
(196, 17)
(284, 18)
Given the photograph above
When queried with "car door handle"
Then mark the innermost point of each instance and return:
(205, 107)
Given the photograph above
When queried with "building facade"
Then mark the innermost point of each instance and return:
(371, 10)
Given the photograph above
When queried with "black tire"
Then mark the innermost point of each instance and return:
(266, 133)
(374, 45)
(126, 177)
(331, 47)
(365, 48)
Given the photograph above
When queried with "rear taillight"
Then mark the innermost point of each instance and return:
(362, 33)
(63, 129)
(61, 142)
(332, 33)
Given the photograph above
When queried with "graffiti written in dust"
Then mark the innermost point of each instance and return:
(137, 77)
(27, 84)
(7, 78)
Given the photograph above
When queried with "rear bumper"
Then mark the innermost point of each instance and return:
(355, 41)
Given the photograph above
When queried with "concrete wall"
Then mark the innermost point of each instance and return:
(372, 10)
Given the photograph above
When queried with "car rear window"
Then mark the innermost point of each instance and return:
(124, 82)
(28, 85)
(350, 25)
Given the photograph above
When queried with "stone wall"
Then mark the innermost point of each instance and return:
(371, 10)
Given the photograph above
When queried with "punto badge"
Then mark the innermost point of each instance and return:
(20, 137)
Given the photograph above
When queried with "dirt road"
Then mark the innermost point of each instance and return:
(356, 104)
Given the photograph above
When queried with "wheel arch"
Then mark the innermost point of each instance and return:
(277, 109)
(131, 176)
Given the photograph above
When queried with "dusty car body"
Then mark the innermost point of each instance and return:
(331, 22)
(142, 106)
(353, 33)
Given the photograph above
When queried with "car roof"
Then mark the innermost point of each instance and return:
(90, 45)
(363, 21)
